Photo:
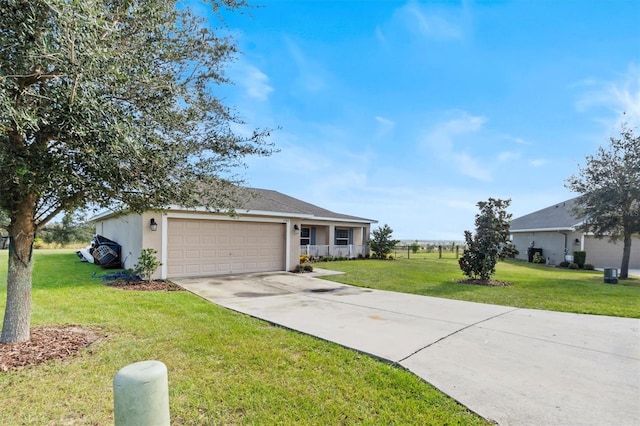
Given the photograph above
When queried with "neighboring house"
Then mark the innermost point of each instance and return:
(557, 232)
(268, 233)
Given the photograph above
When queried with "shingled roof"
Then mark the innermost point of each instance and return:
(265, 200)
(556, 217)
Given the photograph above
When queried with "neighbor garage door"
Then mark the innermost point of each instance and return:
(603, 254)
(209, 247)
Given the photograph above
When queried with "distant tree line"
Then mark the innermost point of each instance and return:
(66, 232)
(70, 230)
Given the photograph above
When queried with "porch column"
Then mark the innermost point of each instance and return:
(332, 238)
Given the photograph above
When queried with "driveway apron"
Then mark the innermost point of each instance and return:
(510, 365)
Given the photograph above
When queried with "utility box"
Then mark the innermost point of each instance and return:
(611, 275)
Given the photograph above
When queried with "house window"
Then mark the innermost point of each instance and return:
(305, 236)
(342, 237)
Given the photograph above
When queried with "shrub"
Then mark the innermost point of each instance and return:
(589, 267)
(573, 266)
(538, 258)
(147, 264)
(382, 242)
(580, 257)
(415, 246)
(564, 264)
(308, 268)
(304, 258)
(38, 243)
(489, 243)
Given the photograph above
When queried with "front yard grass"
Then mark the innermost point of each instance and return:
(533, 286)
(224, 367)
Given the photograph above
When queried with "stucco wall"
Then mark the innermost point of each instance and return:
(133, 232)
(127, 231)
(600, 253)
(551, 243)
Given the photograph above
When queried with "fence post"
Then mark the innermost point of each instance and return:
(141, 395)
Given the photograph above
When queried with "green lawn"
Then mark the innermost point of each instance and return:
(224, 367)
(533, 286)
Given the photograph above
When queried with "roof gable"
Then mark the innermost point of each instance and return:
(556, 217)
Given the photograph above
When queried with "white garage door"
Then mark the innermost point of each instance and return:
(198, 247)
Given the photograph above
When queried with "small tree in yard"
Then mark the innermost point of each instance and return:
(490, 242)
(382, 242)
(415, 246)
(147, 264)
(610, 188)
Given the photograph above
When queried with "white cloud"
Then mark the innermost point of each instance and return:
(506, 156)
(620, 97)
(516, 139)
(538, 162)
(442, 137)
(384, 128)
(385, 121)
(380, 35)
(424, 22)
(311, 75)
(472, 167)
(256, 83)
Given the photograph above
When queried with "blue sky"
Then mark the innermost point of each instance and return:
(410, 112)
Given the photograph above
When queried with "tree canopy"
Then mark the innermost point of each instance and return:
(111, 104)
(490, 242)
(610, 186)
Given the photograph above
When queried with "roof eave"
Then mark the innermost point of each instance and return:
(569, 228)
(108, 214)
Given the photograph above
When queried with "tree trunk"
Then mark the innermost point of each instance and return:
(626, 255)
(17, 314)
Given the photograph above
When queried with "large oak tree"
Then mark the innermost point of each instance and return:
(112, 104)
(610, 187)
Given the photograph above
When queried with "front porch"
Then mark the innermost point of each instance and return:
(350, 251)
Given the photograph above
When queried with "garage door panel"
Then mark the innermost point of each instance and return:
(175, 239)
(199, 247)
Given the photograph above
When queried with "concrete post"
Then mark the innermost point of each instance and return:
(141, 395)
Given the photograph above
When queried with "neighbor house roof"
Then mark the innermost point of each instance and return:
(557, 217)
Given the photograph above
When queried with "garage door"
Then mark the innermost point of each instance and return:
(602, 253)
(210, 247)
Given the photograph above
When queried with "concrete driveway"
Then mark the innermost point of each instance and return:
(510, 365)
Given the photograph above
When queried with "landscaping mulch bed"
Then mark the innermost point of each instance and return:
(47, 343)
(61, 342)
(157, 285)
(492, 283)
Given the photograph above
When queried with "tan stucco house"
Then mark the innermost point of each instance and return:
(268, 232)
(556, 230)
